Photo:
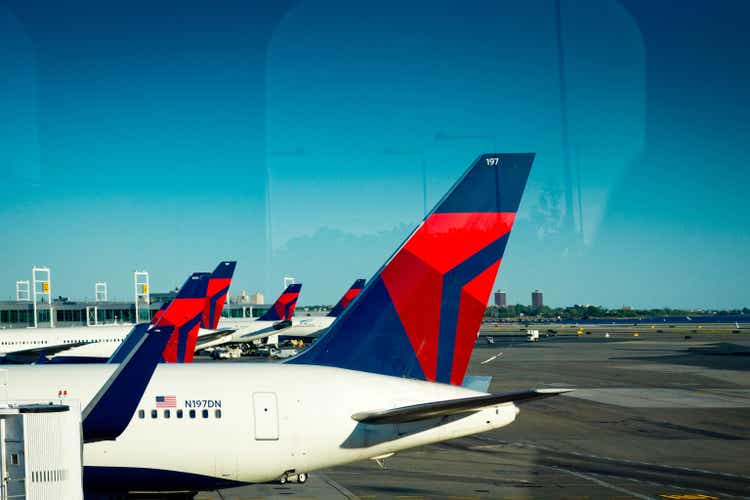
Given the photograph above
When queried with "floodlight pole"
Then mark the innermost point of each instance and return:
(142, 291)
(23, 291)
(100, 291)
(46, 291)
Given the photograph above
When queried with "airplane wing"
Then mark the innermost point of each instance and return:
(206, 338)
(274, 329)
(451, 407)
(33, 354)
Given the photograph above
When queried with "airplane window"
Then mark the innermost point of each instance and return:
(192, 413)
(141, 414)
(179, 413)
(217, 413)
(205, 413)
(153, 413)
(166, 413)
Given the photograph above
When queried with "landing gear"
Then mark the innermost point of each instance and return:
(291, 477)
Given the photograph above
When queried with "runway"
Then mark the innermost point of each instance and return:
(655, 417)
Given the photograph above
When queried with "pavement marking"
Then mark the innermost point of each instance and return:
(665, 397)
(338, 487)
(603, 483)
(617, 460)
(688, 496)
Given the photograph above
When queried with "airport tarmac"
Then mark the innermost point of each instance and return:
(655, 416)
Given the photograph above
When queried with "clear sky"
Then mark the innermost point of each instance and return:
(292, 137)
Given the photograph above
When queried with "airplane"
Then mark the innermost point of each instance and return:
(315, 325)
(96, 344)
(274, 320)
(293, 328)
(386, 377)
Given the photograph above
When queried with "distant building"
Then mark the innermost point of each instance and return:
(537, 300)
(500, 299)
(161, 297)
(241, 298)
(257, 298)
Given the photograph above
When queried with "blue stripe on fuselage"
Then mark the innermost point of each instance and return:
(124, 479)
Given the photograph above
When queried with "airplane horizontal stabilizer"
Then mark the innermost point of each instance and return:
(451, 407)
(479, 383)
(207, 339)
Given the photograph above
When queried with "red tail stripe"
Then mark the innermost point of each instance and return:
(416, 291)
(447, 239)
(471, 308)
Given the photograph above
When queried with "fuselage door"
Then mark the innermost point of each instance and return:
(265, 411)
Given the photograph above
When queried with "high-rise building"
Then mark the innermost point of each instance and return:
(257, 298)
(537, 300)
(500, 298)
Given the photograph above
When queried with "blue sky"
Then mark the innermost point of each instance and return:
(291, 136)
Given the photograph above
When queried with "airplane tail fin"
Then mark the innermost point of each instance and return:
(418, 317)
(283, 308)
(108, 413)
(347, 298)
(158, 314)
(218, 289)
(184, 313)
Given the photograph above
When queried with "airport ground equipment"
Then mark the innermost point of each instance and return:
(41, 450)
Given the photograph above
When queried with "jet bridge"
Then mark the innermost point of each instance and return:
(40, 450)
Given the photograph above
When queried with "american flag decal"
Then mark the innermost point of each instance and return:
(166, 401)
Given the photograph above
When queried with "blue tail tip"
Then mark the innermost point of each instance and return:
(225, 269)
(195, 287)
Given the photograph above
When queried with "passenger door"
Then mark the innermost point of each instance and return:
(265, 411)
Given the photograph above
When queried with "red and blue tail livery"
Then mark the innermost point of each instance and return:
(218, 288)
(283, 308)
(184, 313)
(108, 413)
(419, 316)
(347, 298)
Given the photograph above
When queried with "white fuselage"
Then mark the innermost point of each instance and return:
(274, 419)
(105, 339)
(310, 325)
(102, 341)
(245, 330)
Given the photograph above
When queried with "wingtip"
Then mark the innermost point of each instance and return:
(554, 391)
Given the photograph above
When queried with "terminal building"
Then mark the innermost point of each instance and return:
(62, 312)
